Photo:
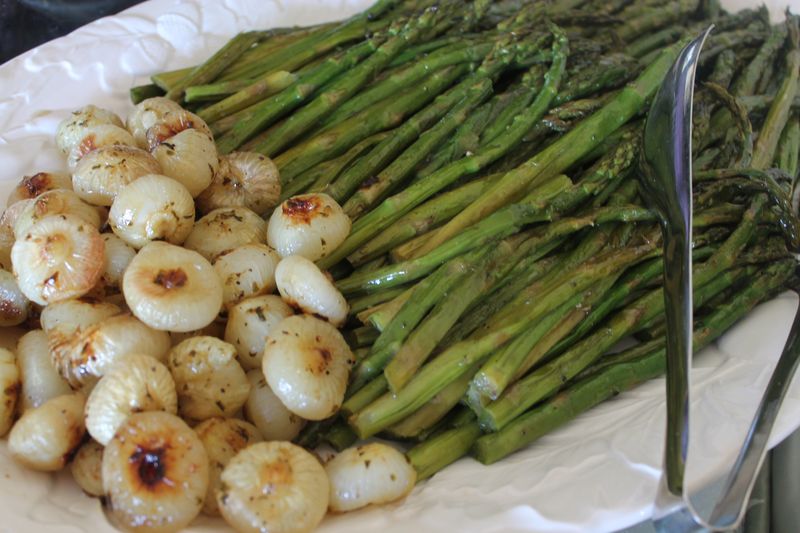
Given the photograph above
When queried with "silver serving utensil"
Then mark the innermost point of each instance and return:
(667, 182)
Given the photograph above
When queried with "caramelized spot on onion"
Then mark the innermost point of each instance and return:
(301, 209)
(171, 279)
(36, 184)
(278, 472)
(150, 465)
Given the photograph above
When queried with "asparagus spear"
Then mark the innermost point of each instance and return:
(564, 152)
(461, 100)
(433, 411)
(143, 92)
(467, 52)
(253, 62)
(655, 18)
(422, 219)
(274, 83)
(365, 302)
(547, 379)
(746, 82)
(361, 337)
(316, 179)
(789, 147)
(293, 56)
(401, 168)
(615, 378)
(425, 295)
(267, 112)
(343, 87)
(380, 117)
(637, 278)
(412, 53)
(536, 207)
(424, 339)
(501, 224)
(655, 41)
(458, 358)
(528, 349)
(215, 64)
(356, 401)
(436, 453)
(743, 130)
(521, 97)
(396, 206)
(609, 72)
(778, 115)
(524, 274)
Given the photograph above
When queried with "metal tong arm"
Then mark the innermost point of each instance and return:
(667, 181)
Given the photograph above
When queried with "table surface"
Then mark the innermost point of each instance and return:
(25, 24)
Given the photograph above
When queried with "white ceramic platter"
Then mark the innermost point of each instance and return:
(598, 473)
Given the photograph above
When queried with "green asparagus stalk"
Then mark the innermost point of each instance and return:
(424, 297)
(422, 219)
(390, 409)
(274, 83)
(278, 106)
(564, 152)
(358, 400)
(547, 379)
(433, 411)
(524, 274)
(500, 225)
(436, 453)
(743, 129)
(467, 52)
(534, 208)
(289, 58)
(213, 92)
(705, 102)
(358, 305)
(613, 379)
(343, 87)
(381, 315)
(789, 147)
(574, 264)
(746, 82)
(481, 276)
(638, 277)
(380, 117)
(361, 337)
(778, 115)
(520, 97)
(253, 62)
(593, 387)
(215, 64)
(402, 167)
(527, 350)
(165, 80)
(398, 205)
(320, 176)
(460, 357)
(655, 18)
(465, 97)
(610, 72)
(654, 41)
(143, 92)
(417, 51)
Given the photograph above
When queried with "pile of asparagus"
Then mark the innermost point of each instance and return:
(487, 154)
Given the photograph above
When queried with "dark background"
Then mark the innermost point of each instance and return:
(25, 24)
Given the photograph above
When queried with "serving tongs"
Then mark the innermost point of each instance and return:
(666, 176)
